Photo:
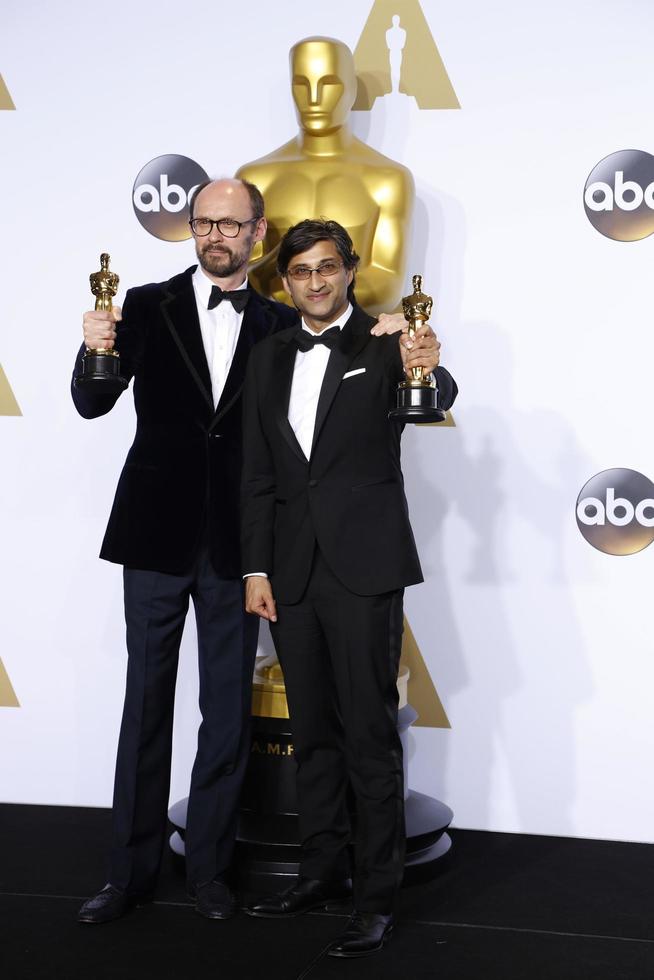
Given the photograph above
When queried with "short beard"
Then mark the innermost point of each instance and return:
(224, 264)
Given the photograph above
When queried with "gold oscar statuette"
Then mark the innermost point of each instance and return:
(325, 171)
(417, 396)
(101, 366)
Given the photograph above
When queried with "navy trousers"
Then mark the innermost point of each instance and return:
(156, 605)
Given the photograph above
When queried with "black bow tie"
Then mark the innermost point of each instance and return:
(306, 341)
(237, 297)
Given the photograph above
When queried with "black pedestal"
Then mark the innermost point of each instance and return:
(268, 846)
(416, 402)
(101, 372)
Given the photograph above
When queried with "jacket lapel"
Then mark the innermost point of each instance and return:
(259, 319)
(180, 314)
(354, 337)
(283, 366)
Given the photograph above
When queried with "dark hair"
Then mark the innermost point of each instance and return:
(303, 236)
(256, 199)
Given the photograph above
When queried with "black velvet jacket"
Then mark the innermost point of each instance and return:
(182, 473)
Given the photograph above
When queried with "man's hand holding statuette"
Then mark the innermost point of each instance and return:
(99, 328)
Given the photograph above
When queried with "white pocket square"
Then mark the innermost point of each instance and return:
(350, 374)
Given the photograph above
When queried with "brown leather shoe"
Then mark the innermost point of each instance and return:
(304, 895)
(367, 932)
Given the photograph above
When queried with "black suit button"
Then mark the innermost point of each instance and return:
(214, 435)
(313, 483)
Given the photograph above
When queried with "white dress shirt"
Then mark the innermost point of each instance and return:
(308, 376)
(220, 329)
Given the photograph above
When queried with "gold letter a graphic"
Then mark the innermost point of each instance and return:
(422, 693)
(8, 697)
(397, 32)
(6, 101)
(8, 404)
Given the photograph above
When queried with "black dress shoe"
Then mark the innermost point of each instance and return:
(304, 895)
(107, 905)
(215, 900)
(366, 933)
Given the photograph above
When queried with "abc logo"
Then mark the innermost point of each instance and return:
(160, 195)
(615, 512)
(619, 196)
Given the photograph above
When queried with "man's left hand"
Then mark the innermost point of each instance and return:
(422, 350)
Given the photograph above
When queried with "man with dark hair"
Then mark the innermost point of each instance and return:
(328, 550)
(303, 238)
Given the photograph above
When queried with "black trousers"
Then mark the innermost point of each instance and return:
(340, 654)
(156, 605)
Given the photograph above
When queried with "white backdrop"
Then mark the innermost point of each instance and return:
(539, 645)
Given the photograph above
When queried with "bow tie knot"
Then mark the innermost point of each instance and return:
(237, 297)
(306, 341)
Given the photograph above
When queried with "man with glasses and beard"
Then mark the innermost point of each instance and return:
(174, 527)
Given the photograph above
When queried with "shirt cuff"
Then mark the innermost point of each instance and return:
(260, 574)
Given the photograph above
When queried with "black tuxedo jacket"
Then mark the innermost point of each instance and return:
(182, 474)
(349, 497)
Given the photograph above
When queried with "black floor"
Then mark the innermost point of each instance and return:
(506, 906)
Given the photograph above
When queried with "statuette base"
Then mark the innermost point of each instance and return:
(417, 403)
(102, 370)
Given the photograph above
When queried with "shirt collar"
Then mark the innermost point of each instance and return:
(202, 285)
(340, 323)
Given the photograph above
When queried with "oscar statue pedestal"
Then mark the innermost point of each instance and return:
(268, 847)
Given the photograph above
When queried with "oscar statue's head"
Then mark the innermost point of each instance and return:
(324, 83)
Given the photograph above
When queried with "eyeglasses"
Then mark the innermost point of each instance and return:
(327, 268)
(227, 227)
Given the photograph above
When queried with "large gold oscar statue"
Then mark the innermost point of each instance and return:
(326, 171)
